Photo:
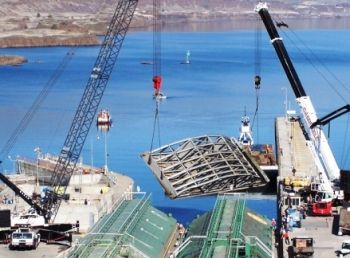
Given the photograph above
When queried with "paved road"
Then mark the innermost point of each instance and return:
(43, 251)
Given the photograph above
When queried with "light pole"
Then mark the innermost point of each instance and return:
(92, 152)
(13, 163)
(38, 152)
(285, 99)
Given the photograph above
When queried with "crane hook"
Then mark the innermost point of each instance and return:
(257, 80)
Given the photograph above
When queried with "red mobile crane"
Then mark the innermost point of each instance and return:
(85, 113)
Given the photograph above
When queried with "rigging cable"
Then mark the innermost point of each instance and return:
(22, 126)
(344, 156)
(157, 78)
(157, 54)
(314, 56)
(155, 127)
(257, 78)
(341, 96)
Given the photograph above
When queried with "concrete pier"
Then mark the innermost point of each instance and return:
(90, 197)
(296, 158)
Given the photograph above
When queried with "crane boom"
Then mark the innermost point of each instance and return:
(22, 194)
(320, 142)
(88, 105)
(333, 115)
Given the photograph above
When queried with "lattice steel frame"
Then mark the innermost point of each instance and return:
(89, 103)
(204, 165)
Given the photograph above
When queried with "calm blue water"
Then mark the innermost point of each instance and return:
(207, 97)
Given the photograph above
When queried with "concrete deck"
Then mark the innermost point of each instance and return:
(43, 251)
(87, 205)
(293, 152)
(320, 229)
(116, 188)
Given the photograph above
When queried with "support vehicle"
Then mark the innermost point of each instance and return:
(345, 248)
(344, 221)
(24, 238)
(303, 246)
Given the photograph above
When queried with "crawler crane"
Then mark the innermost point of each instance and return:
(84, 115)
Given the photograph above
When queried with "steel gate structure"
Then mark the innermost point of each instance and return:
(204, 165)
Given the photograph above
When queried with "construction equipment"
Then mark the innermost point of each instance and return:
(303, 246)
(336, 113)
(24, 238)
(88, 105)
(322, 153)
(85, 113)
(345, 248)
(344, 221)
(157, 51)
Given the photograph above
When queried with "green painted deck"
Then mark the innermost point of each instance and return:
(232, 230)
(133, 229)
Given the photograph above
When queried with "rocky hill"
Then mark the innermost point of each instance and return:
(77, 22)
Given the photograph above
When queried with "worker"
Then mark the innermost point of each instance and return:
(286, 237)
(290, 223)
(273, 224)
(302, 212)
(77, 225)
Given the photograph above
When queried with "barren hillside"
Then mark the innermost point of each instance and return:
(25, 23)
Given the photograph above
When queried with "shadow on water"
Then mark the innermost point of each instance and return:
(183, 215)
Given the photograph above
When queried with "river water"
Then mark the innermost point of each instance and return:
(208, 96)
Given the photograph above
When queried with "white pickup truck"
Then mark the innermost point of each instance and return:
(345, 248)
(24, 238)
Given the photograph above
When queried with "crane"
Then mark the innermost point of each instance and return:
(85, 113)
(88, 105)
(157, 51)
(333, 115)
(325, 160)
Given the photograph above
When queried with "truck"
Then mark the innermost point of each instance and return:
(29, 219)
(24, 238)
(345, 248)
(303, 246)
(344, 221)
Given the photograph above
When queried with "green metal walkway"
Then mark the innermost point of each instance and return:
(233, 231)
(133, 229)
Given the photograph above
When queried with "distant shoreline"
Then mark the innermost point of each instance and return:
(54, 38)
(12, 60)
(17, 41)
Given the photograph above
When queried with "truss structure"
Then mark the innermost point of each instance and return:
(204, 165)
